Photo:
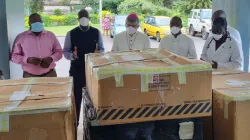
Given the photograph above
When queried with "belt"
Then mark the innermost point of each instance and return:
(42, 75)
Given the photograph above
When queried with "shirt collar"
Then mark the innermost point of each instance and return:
(31, 33)
(177, 38)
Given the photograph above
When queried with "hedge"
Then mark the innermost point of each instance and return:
(64, 20)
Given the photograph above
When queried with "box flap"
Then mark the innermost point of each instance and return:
(149, 61)
(234, 94)
(226, 72)
(37, 88)
(231, 81)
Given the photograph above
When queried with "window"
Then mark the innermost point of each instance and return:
(163, 22)
(195, 15)
(151, 21)
(191, 14)
(206, 14)
(146, 20)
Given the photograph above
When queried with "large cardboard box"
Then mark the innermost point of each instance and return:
(128, 87)
(37, 108)
(220, 77)
(231, 114)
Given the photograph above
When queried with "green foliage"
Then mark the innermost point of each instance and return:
(70, 20)
(111, 5)
(58, 12)
(65, 2)
(36, 6)
(136, 6)
(47, 21)
(185, 6)
(52, 20)
(94, 18)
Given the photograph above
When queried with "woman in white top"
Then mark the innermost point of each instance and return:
(220, 49)
(131, 39)
(177, 42)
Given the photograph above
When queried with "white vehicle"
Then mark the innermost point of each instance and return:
(199, 21)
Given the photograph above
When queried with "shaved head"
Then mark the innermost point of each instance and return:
(176, 21)
(218, 13)
(34, 18)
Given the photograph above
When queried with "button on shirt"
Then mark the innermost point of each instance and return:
(124, 42)
(182, 45)
(28, 45)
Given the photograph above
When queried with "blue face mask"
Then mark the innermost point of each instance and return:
(37, 27)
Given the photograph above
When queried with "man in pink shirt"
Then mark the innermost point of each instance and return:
(37, 50)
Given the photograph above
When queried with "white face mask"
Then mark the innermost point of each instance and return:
(84, 21)
(175, 30)
(131, 30)
(216, 36)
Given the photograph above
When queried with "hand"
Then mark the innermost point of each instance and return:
(46, 62)
(34, 61)
(75, 56)
(214, 65)
(96, 49)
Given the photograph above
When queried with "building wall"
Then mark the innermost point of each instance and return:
(11, 24)
(4, 48)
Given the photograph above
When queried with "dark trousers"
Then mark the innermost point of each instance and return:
(102, 133)
(136, 131)
(79, 83)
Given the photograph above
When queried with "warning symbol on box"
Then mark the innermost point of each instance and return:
(156, 78)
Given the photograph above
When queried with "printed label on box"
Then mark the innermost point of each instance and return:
(160, 82)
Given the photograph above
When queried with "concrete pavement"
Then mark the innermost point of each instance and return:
(63, 65)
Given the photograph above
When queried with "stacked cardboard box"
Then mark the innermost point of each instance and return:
(37, 108)
(129, 87)
(231, 102)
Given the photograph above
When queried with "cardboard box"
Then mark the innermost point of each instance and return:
(231, 81)
(219, 81)
(37, 108)
(226, 72)
(128, 87)
(231, 114)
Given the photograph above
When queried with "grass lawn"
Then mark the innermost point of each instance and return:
(62, 30)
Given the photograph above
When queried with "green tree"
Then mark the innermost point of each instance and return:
(111, 5)
(36, 6)
(136, 6)
(66, 3)
(165, 3)
(58, 12)
(185, 6)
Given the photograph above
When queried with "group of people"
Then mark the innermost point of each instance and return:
(38, 50)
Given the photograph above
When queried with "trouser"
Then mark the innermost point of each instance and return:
(136, 131)
(51, 73)
(79, 83)
(102, 133)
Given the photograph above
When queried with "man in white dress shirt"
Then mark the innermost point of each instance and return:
(177, 42)
(131, 39)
